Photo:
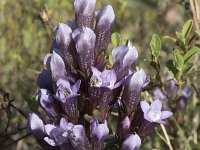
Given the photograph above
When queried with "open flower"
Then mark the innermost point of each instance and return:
(66, 91)
(57, 135)
(99, 131)
(107, 78)
(153, 112)
(132, 142)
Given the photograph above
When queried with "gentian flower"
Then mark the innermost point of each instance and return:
(132, 90)
(99, 131)
(124, 57)
(84, 10)
(124, 127)
(67, 94)
(153, 112)
(100, 90)
(132, 142)
(105, 18)
(78, 138)
(57, 135)
(85, 42)
(63, 37)
(48, 103)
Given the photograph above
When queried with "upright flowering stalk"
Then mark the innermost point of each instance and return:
(84, 10)
(148, 116)
(85, 42)
(124, 57)
(132, 90)
(100, 90)
(105, 18)
(99, 131)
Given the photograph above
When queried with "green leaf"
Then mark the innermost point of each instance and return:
(191, 53)
(155, 45)
(170, 39)
(187, 68)
(170, 66)
(187, 27)
(87, 117)
(115, 39)
(178, 60)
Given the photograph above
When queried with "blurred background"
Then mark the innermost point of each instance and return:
(25, 37)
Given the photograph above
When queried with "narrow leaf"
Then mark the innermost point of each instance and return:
(187, 68)
(191, 53)
(178, 60)
(187, 27)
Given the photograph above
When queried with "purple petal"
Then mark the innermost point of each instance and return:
(156, 105)
(118, 54)
(35, 123)
(49, 128)
(109, 76)
(145, 106)
(76, 87)
(64, 83)
(95, 72)
(132, 142)
(47, 60)
(161, 122)
(57, 67)
(166, 114)
(63, 123)
(130, 56)
(50, 141)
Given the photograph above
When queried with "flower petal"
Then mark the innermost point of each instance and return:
(49, 128)
(156, 105)
(132, 142)
(50, 141)
(145, 106)
(166, 114)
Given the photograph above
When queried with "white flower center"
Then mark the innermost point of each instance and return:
(95, 81)
(154, 114)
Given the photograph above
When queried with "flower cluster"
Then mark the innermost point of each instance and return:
(78, 91)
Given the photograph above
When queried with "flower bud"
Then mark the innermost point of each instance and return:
(105, 18)
(124, 57)
(63, 36)
(84, 41)
(57, 66)
(84, 10)
(78, 138)
(124, 127)
(132, 142)
(49, 104)
(132, 90)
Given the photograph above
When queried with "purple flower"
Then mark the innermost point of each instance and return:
(158, 94)
(35, 124)
(84, 10)
(65, 90)
(57, 66)
(99, 131)
(78, 138)
(48, 103)
(124, 57)
(124, 127)
(132, 90)
(57, 135)
(105, 18)
(85, 42)
(63, 37)
(171, 87)
(107, 78)
(153, 112)
(132, 142)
